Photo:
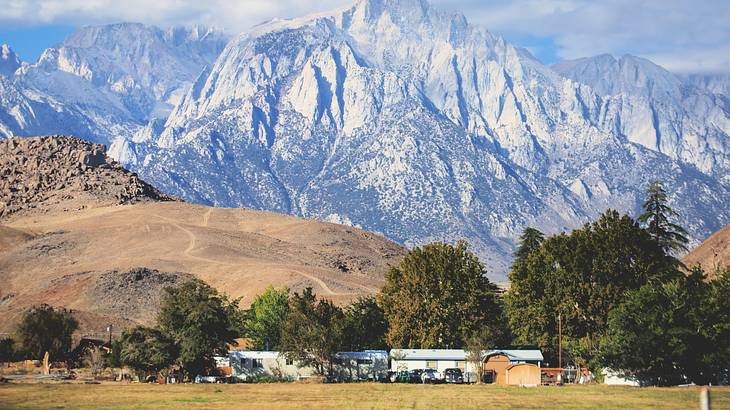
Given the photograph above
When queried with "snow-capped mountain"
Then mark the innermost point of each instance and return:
(652, 107)
(116, 77)
(402, 119)
(714, 83)
(9, 61)
(399, 118)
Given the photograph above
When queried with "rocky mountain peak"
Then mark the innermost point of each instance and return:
(9, 61)
(628, 74)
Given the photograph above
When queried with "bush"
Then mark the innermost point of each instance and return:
(7, 350)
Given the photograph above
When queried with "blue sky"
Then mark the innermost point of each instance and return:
(681, 35)
(29, 42)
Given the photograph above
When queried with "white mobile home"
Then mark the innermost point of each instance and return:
(348, 366)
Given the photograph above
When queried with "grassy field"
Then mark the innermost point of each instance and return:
(348, 396)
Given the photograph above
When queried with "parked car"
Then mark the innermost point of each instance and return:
(431, 376)
(415, 376)
(401, 376)
(453, 375)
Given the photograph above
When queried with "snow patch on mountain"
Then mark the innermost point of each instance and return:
(9, 61)
(452, 133)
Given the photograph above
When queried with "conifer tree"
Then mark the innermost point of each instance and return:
(656, 220)
(529, 241)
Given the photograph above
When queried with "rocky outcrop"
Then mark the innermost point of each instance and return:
(135, 294)
(44, 173)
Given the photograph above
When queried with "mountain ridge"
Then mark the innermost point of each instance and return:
(453, 134)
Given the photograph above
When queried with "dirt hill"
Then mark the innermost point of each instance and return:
(107, 251)
(713, 253)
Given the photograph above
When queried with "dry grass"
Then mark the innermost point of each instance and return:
(56, 258)
(713, 253)
(347, 396)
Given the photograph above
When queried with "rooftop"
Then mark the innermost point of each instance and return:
(459, 354)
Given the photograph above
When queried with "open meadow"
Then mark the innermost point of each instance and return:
(347, 396)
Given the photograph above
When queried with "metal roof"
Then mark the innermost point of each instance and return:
(253, 354)
(459, 354)
(256, 354)
(367, 354)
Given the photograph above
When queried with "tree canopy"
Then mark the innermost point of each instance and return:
(146, 350)
(438, 296)
(365, 325)
(264, 320)
(673, 332)
(7, 349)
(581, 276)
(45, 329)
(201, 323)
(313, 332)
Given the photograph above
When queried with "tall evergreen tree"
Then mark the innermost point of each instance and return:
(656, 220)
(529, 242)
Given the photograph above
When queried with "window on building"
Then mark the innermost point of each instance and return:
(289, 362)
(364, 361)
(257, 363)
(243, 362)
(460, 364)
(431, 364)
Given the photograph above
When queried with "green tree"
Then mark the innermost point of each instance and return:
(7, 349)
(656, 219)
(146, 350)
(716, 328)
(438, 295)
(581, 276)
(365, 325)
(45, 329)
(114, 358)
(266, 317)
(530, 241)
(313, 332)
(201, 323)
(656, 333)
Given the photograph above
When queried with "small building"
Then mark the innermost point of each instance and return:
(348, 366)
(499, 364)
(523, 374)
(495, 364)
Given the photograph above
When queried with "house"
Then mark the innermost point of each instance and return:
(348, 366)
(496, 362)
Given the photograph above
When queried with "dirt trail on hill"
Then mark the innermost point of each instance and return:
(77, 230)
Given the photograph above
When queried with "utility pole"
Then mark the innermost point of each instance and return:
(109, 329)
(560, 347)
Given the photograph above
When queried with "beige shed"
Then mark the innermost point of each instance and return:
(523, 374)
